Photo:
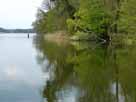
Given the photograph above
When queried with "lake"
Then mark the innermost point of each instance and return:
(21, 78)
(35, 70)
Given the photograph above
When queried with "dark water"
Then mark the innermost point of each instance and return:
(34, 70)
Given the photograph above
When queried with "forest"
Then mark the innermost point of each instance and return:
(87, 19)
(102, 70)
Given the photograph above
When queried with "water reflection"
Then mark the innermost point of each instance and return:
(88, 72)
(20, 75)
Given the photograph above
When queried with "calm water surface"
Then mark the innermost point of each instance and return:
(21, 78)
(34, 70)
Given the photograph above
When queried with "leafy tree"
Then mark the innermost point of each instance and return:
(84, 18)
(55, 18)
(128, 17)
(92, 16)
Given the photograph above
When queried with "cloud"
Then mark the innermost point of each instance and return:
(11, 72)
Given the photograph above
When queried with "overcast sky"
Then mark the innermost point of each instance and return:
(18, 13)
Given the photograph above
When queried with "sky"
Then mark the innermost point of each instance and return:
(18, 13)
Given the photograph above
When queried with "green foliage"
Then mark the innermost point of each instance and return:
(71, 26)
(127, 22)
(55, 18)
(92, 17)
(39, 24)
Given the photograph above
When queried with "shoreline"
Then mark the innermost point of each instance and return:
(61, 37)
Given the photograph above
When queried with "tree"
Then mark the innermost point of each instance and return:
(128, 17)
(92, 16)
(56, 16)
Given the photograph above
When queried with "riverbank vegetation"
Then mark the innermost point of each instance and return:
(86, 68)
(87, 19)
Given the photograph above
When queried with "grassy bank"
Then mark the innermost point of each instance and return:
(59, 37)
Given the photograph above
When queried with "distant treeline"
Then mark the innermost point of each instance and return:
(2, 30)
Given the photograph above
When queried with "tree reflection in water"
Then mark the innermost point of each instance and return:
(88, 72)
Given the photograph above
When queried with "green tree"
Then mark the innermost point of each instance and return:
(55, 17)
(128, 17)
(92, 17)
